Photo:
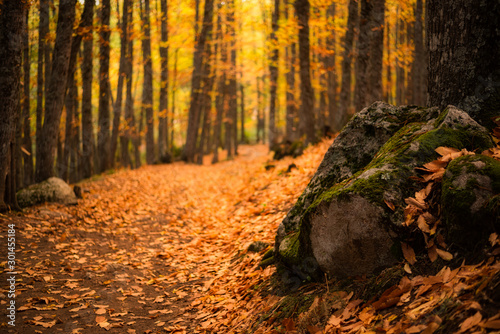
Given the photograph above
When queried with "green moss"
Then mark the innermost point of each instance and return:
(290, 252)
(465, 228)
(441, 118)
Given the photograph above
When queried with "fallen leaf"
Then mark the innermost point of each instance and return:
(444, 254)
(408, 253)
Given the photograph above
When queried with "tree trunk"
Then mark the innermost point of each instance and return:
(362, 90)
(117, 108)
(27, 144)
(208, 81)
(130, 127)
(43, 30)
(103, 138)
(302, 8)
(63, 162)
(163, 115)
(291, 104)
(242, 111)
(219, 97)
(147, 92)
(376, 50)
(88, 142)
(194, 108)
(273, 70)
(174, 90)
(57, 87)
(388, 71)
(464, 55)
(400, 71)
(233, 85)
(345, 93)
(12, 28)
(330, 67)
(419, 59)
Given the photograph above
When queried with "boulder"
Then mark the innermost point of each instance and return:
(471, 199)
(352, 150)
(349, 219)
(51, 190)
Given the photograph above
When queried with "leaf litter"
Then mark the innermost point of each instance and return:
(163, 249)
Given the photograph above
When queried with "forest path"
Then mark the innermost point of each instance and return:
(158, 249)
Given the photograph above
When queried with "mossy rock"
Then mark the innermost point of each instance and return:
(352, 150)
(349, 229)
(470, 201)
(51, 190)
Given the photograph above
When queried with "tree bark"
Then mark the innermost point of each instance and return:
(273, 70)
(376, 50)
(163, 115)
(419, 59)
(221, 78)
(362, 89)
(103, 136)
(464, 53)
(345, 93)
(117, 108)
(330, 67)
(400, 71)
(88, 142)
(147, 93)
(43, 30)
(12, 28)
(194, 107)
(57, 87)
(27, 143)
(302, 8)
(233, 85)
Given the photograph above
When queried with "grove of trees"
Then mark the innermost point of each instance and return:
(96, 86)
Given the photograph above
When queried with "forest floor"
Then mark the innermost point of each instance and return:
(164, 249)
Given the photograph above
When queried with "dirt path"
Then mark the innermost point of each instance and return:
(159, 249)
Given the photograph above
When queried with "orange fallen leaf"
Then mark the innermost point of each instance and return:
(444, 254)
(408, 253)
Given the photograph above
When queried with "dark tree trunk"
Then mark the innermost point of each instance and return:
(208, 81)
(88, 142)
(219, 97)
(12, 29)
(174, 91)
(76, 152)
(43, 30)
(130, 126)
(388, 88)
(400, 71)
(345, 93)
(103, 137)
(63, 161)
(259, 129)
(302, 8)
(147, 93)
(117, 109)
(464, 55)
(291, 104)
(273, 70)
(362, 89)
(419, 65)
(57, 87)
(330, 67)
(27, 143)
(194, 108)
(376, 51)
(233, 85)
(242, 111)
(163, 115)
